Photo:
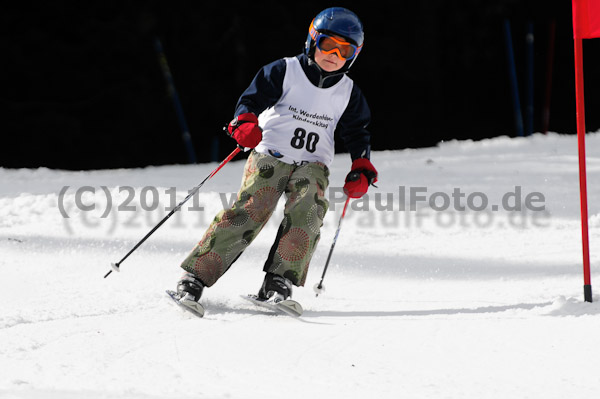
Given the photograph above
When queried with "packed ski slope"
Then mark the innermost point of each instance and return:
(439, 285)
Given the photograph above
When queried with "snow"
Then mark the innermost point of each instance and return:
(430, 303)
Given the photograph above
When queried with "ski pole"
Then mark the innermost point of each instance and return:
(319, 287)
(115, 266)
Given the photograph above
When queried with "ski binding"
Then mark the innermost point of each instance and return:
(192, 307)
(287, 306)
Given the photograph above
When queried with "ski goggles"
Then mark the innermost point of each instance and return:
(329, 44)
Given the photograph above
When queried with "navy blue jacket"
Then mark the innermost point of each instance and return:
(267, 87)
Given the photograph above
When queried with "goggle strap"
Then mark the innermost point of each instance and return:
(312, 31)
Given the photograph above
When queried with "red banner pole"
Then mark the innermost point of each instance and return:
(580, 108)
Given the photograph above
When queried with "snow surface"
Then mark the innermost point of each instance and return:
(419, 304)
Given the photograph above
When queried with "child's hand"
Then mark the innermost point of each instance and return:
(362, 174)
(245, 130)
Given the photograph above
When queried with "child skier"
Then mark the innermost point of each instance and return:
(287, 116)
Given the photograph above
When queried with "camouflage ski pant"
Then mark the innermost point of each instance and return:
(265, 180)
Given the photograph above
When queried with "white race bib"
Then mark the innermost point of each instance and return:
(300, 126)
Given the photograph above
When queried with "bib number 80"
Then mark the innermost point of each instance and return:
(303, 140)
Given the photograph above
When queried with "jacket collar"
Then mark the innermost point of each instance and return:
(318, 76)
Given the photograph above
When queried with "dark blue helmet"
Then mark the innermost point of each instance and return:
(339, 21)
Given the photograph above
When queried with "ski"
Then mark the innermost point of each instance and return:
(287, 306)
(189, 306)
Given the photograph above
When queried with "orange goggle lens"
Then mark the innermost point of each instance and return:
(329, 44)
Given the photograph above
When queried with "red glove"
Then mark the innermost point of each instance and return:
(362, 174)
(245, 130)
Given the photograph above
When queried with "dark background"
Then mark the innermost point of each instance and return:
(82, 88)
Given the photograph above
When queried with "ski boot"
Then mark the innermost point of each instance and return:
(275, 289)
(189, 290)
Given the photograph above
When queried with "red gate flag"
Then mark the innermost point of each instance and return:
(586, 19)
(586, 25)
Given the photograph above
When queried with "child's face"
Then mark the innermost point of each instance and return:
(328, 62)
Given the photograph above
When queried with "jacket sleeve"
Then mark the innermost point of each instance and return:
(264, 91)
(353, 126)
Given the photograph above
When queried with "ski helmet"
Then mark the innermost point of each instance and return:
(339, 21)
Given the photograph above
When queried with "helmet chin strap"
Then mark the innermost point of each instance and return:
(323, 75)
